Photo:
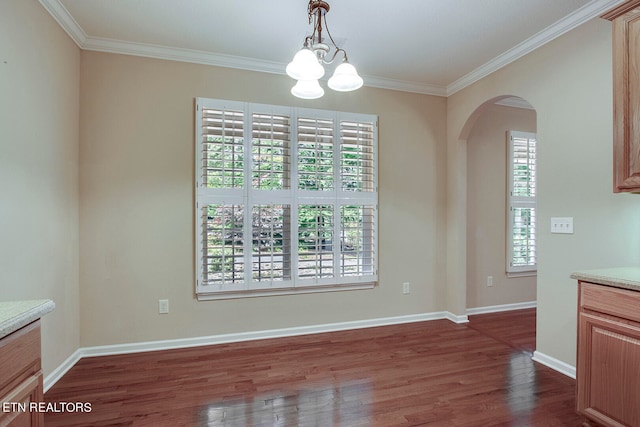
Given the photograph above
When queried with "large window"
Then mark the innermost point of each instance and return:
(521, 203)
(286, 200)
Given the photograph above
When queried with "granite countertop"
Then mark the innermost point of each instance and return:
(16, 314)
(623, 277)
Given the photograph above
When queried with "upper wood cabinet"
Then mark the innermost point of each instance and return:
(626, 96)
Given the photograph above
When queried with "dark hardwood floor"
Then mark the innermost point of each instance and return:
(420, 374)
(517, 328)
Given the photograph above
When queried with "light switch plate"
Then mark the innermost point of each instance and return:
(562, 225)
(163, 306)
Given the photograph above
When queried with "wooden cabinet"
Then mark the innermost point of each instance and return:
(626, 96)
(608, 365)
(21, 377)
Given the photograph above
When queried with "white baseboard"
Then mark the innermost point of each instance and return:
(499, 308)
(456, 318)
(57, 373)
(106, 350)
(555, 364)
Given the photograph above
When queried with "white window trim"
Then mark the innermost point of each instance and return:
(513, 202)
(247, 196)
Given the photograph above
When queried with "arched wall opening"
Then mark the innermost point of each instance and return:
(488, 286)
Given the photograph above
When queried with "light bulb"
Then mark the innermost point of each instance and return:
(305, 66)
(307, 89)
(345, 78)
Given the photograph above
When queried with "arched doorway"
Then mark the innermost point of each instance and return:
(489, 285)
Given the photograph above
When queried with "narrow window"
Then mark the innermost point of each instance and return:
(521, 203)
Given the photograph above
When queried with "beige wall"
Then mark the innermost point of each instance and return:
(486, 208)
(39, 100)
(568, 81)
(136, 227)
(135, 131)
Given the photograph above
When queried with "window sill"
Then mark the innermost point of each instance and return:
(222, 295)
(514, 274)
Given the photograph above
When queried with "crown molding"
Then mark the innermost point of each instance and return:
(404, 86)
(183, 55)
(57, 10)
(587, 12)
(65, 20)
(229, 61)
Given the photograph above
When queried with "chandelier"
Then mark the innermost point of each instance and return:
(306, 66)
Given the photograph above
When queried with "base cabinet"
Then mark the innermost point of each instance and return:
(21, 377)
(608, 365)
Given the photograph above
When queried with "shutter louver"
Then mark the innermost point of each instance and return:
(271, 243)
(524, 236)
(524, 166)
(357, 246)
(223, 244)
(315, 154)
(315, 241)
(222, 148)
(271, 151)
(356, 156)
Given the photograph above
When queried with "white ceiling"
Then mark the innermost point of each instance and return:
(426, 46)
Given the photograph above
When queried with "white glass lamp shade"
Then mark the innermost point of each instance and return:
(345, 78)
(305, 66)
(307, 89)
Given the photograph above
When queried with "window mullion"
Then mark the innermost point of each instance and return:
(293, 242)
(337, 188)
(247, 202)
(200, 237)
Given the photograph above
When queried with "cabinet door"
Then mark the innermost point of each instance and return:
(609, 371)
(30, 390)
(626, 96)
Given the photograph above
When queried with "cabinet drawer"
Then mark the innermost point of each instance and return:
(19, 356)
(606, 299)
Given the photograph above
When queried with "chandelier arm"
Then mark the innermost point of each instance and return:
(335, 54)
(329, 33)
(335, 45)
(308, 42)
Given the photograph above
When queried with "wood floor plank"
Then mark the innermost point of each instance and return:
(433, 373)
(515, 328)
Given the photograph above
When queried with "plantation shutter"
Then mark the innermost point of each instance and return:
(315, 241)
(315, 154)
(356, 156)
(222, 148)
(286, 200)
(522, 202)
(271, 151)
(223, 251)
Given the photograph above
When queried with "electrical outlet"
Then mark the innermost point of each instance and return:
(163, 306)
(406, 288)
(489, 281)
